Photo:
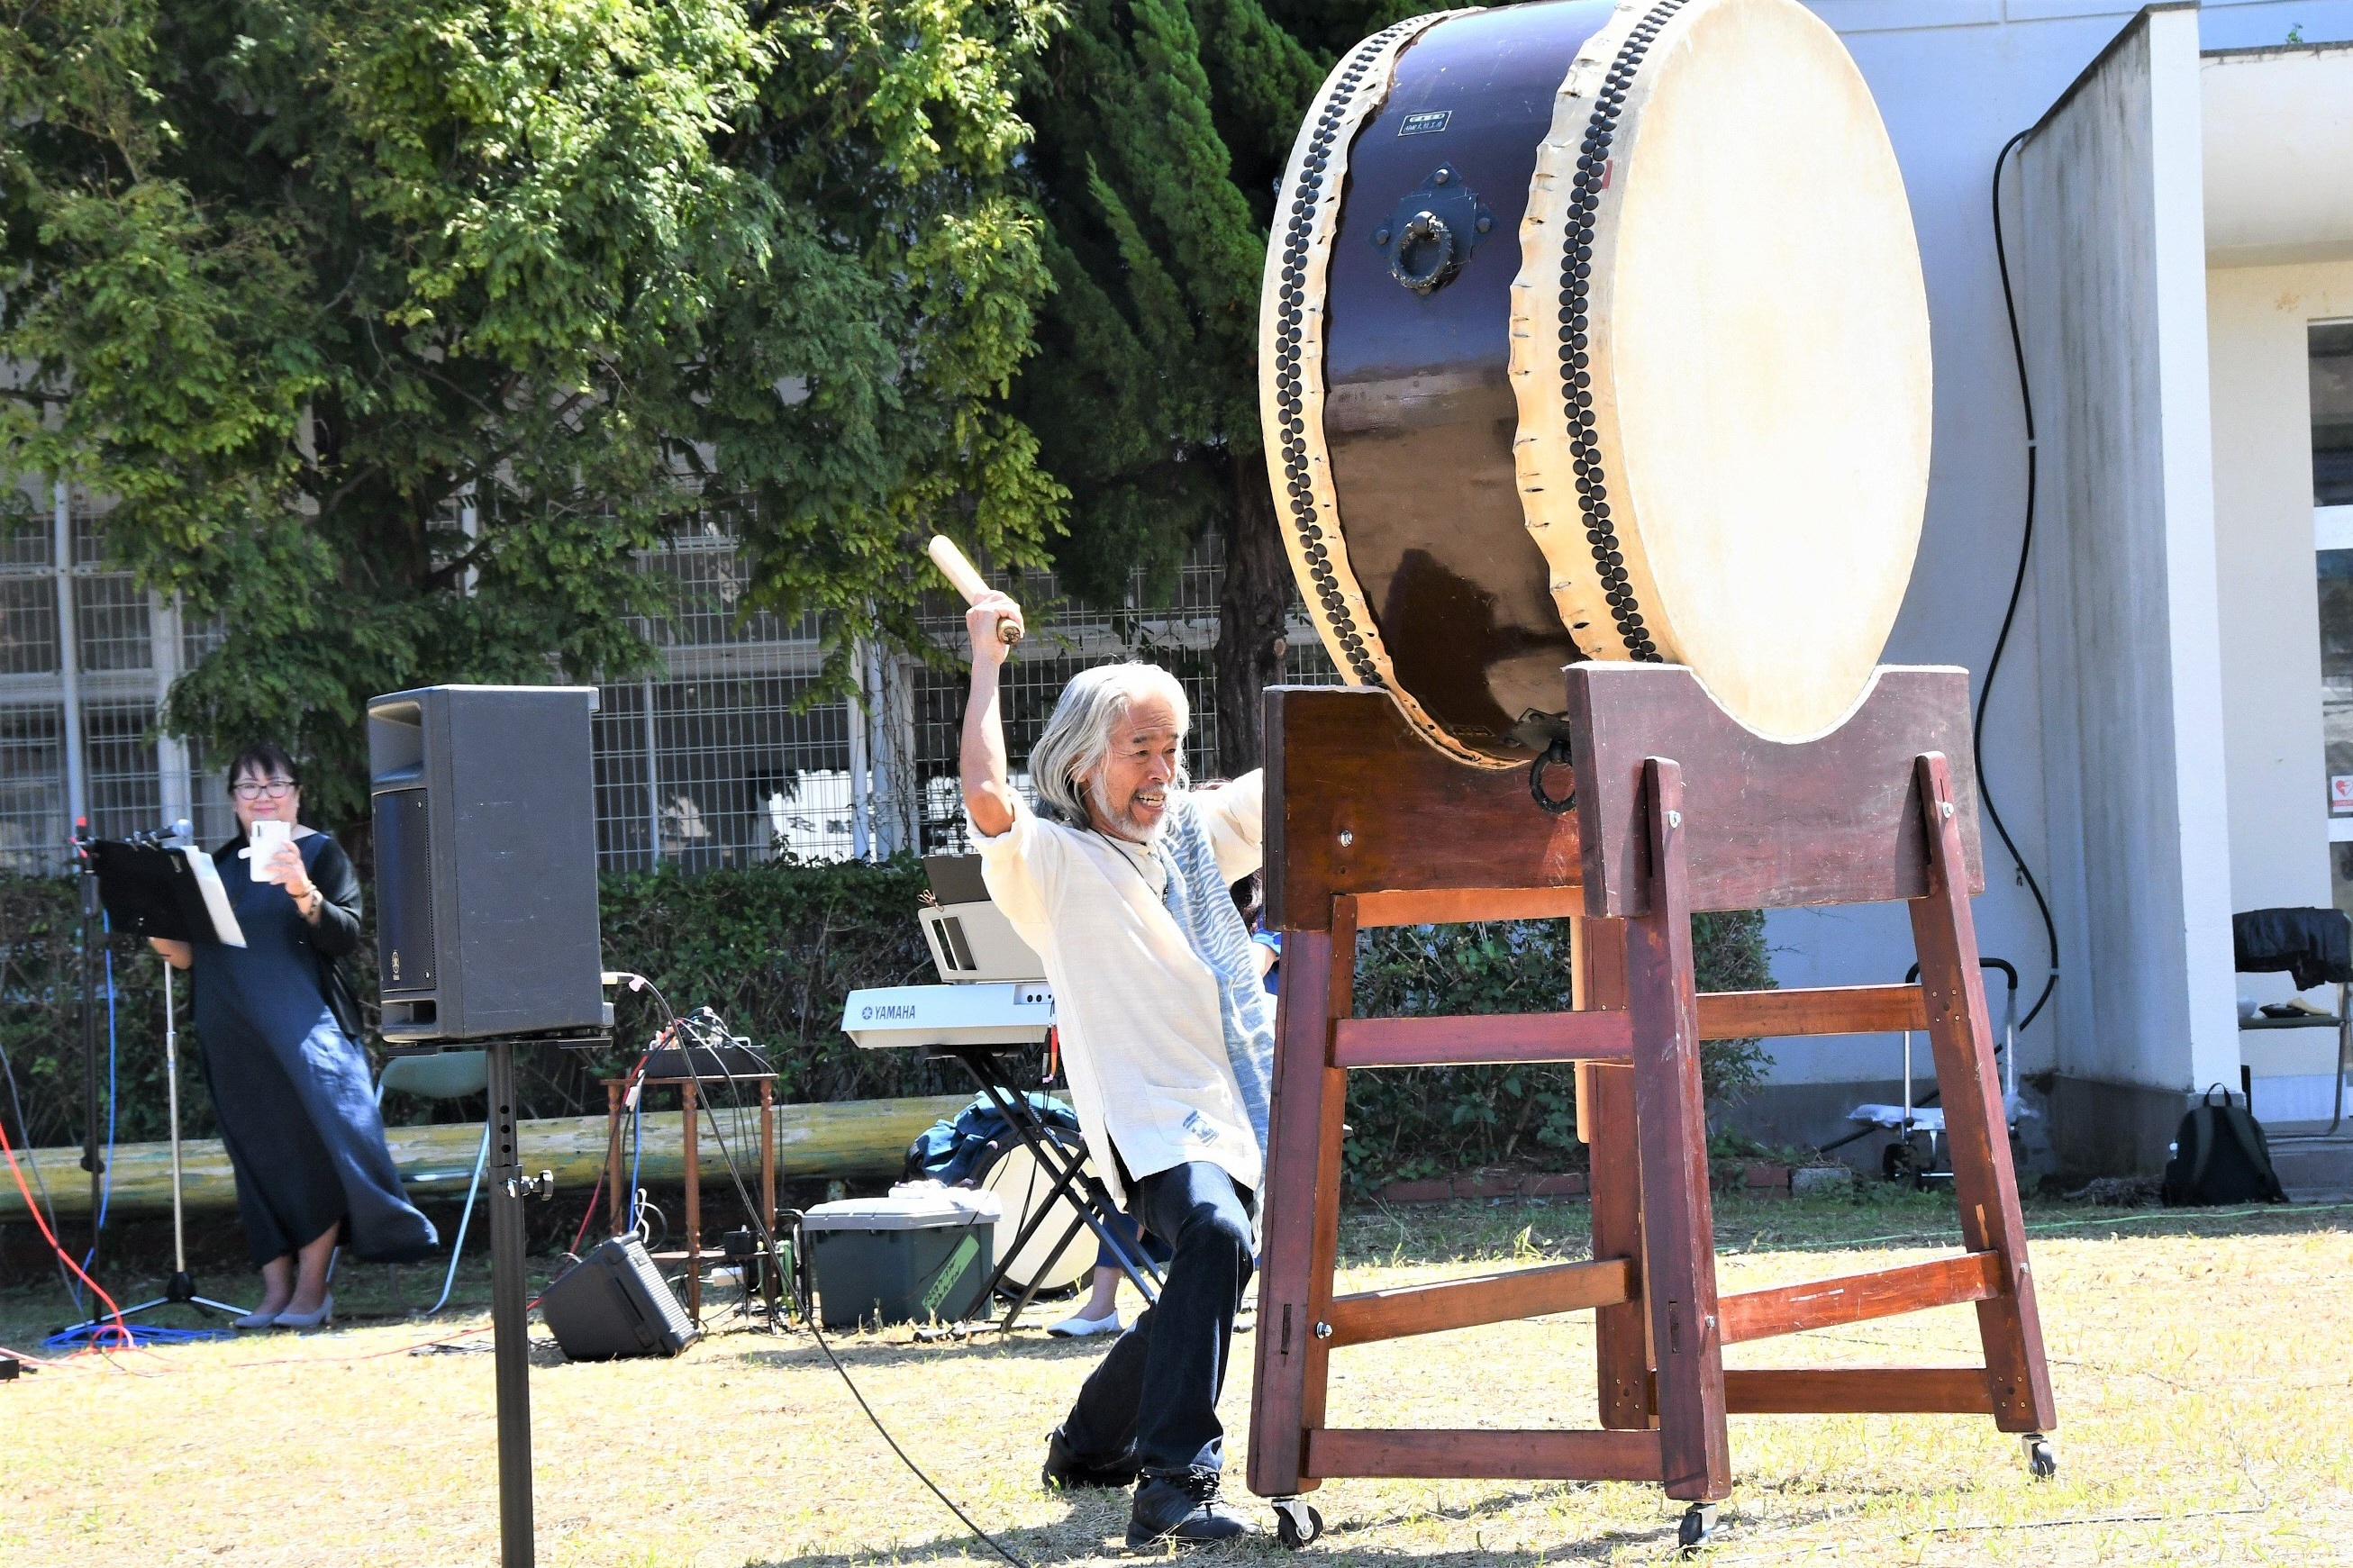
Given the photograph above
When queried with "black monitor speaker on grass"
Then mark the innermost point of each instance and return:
(485, 863)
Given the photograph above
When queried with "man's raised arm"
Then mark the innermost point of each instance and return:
(987, 796)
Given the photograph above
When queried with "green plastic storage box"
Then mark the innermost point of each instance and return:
(910, 1258)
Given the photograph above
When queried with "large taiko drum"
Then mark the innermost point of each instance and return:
(1597, 331)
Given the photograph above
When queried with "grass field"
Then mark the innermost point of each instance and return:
(2204, 1368)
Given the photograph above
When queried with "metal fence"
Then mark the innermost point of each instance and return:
(721, 759)
(724, 761)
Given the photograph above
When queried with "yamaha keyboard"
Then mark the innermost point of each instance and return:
(996, 993)
(1016, 1013)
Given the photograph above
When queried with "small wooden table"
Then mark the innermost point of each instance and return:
(686, 1085)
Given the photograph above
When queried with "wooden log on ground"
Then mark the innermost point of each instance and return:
(861, 1137)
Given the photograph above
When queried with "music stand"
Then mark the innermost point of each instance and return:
(156, 887)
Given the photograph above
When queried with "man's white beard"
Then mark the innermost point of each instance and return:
(1119, 821)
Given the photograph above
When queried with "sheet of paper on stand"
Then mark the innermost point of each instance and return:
(216, 897)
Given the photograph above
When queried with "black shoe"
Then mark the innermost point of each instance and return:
(1183, 1508)
(1068, 1470)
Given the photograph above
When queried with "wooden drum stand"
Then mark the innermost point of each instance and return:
(1678, 809)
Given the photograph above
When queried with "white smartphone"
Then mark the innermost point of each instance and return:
(263, 840)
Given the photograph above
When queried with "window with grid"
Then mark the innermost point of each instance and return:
(209, 811)
(125, 790)
(112, 626)
(26, 545)
(702, 579)
(28, 622)
(33, 826)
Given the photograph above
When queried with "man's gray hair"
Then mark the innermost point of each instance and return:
(1078, 737)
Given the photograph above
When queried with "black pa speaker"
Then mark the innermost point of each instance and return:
(613, 1303)
(485, 863)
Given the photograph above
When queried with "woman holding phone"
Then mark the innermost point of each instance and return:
(279, 1032)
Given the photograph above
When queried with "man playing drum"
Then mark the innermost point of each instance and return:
(1120, 878)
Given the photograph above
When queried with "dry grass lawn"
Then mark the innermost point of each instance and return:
(2204, 1369)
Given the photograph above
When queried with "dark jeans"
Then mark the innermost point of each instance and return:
(1140, 1247)
(1158, 1387)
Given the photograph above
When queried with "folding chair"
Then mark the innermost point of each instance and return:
(450, 1075)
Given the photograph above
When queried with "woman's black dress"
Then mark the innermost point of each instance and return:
(289, 1080)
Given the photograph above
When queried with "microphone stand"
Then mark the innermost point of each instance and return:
(93, 1161)
(182, 1291)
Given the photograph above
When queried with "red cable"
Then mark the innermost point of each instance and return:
(47, 1234)
(593, 1199)
(43, 1362)
(628, 1082)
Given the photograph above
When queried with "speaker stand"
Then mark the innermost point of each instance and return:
(510, 1319)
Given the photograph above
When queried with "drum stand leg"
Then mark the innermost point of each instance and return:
(1605, 1112)
(1976, 1135)
(1671, 1116)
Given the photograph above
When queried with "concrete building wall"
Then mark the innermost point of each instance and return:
(2264, 528)
(2257, 318)
(2115, 308)
(1955, 79)
(2279, 155)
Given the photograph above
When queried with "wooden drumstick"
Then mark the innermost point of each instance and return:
(967, 582)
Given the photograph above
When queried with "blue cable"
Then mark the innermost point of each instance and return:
(105, 1334)
(637, 1148)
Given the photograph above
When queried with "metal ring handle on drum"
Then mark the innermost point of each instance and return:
(1424, 228)
(1558, 752)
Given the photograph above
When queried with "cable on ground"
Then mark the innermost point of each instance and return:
(693, 1032)
(25, 1130)
(9, 1149)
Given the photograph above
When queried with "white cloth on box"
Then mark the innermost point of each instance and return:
(1931, 1118)
(1139, 1009)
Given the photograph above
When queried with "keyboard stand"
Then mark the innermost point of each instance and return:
(1071, 1178)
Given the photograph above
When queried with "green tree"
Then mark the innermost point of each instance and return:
(1161, 130)
(392, 327)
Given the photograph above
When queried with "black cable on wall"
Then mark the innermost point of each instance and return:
(2016, 587)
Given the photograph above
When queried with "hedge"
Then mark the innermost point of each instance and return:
(775, 948)
(1440, 1120)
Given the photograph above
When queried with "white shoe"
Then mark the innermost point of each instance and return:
(254, 1320)
(1079, 1328)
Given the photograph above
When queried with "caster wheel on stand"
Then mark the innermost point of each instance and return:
(1697, 1526)
(2039, 1457)
(1296, 1522)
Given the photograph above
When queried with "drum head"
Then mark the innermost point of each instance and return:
(1748, 460)
(1021, 1185)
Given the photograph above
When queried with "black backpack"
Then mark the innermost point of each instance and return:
(2221, 1156)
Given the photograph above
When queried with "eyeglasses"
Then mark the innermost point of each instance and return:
(254, 789)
